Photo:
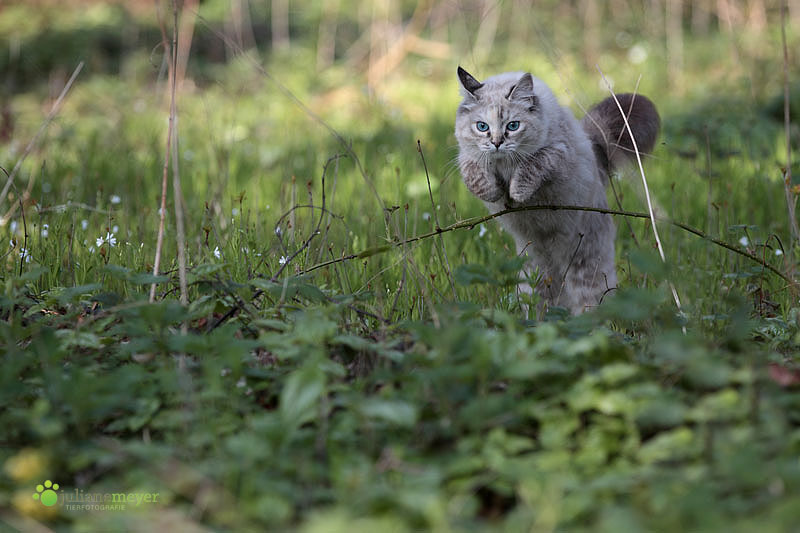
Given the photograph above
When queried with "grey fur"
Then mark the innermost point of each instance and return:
(550, 159)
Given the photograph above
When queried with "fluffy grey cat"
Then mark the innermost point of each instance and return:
(519, 147)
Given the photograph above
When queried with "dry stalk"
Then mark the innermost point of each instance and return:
(29, 148)
(646, 189)
(787, 175)
(171, 151)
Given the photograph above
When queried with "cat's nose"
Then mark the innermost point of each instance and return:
(497, 142)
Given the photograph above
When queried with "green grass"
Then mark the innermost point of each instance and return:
(403, 389)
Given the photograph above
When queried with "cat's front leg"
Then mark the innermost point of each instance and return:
(480, 181)
(529, 175)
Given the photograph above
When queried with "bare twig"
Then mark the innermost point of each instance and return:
(644, 183)
(165, 169)
(787, 175)
(443, 251)
(176, 177)
(299, 103)
(316, 230)
(474, 221)
(50, 116)
(25, 238)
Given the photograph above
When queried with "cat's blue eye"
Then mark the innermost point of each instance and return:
(482, 126)
(513, 125)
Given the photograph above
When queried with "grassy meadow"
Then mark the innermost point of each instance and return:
(334, 362)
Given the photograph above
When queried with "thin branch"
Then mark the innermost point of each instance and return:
(299, 103)
(443, 251)
(164, 174)
(176, 177)
(50, 116)
(474, 221)
(787, 176)
(644, 183)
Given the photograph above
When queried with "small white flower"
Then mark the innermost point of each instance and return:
(45, 230)
(283, 260)
(426, 216)
(278, 231)
(11, 243)
(235, 211)
(109, 239)
(84, 224)
(23, 253)
(241, 383)
(115, 199)
(115, 229)
(779, 252)
(482, 231)
(744, 241)
(13, 226)
(267, 207)
(91, 249)
(217, 253)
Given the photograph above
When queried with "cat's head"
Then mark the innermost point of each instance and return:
(501, 116)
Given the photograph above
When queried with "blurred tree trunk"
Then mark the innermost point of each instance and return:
(280, 24)
(326, 41)
(484, 40)
(242, 25)
(674, 31)
(591, 31)
(701, 16)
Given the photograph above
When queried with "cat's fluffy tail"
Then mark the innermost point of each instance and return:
(605, 126)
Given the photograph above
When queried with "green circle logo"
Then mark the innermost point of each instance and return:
(46, 493)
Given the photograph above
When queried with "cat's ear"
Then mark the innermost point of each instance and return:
(468, 83)
(523, 88)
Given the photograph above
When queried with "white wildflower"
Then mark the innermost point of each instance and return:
(235, 211)
(13, 226)
(426, 216)
(84, 224)
(25, 255)
(283, 260)
(779, 252)
(744, 241)
(115, 199)
(482, 231)
(217, 253)
(45, 230)
(108, 239)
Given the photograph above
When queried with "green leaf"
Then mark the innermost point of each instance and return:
(208, 268)
(472, 273)
(395, 412)
(300, 395)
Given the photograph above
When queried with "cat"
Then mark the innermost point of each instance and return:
(519, 147)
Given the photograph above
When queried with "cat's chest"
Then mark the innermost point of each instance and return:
(503, 169)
